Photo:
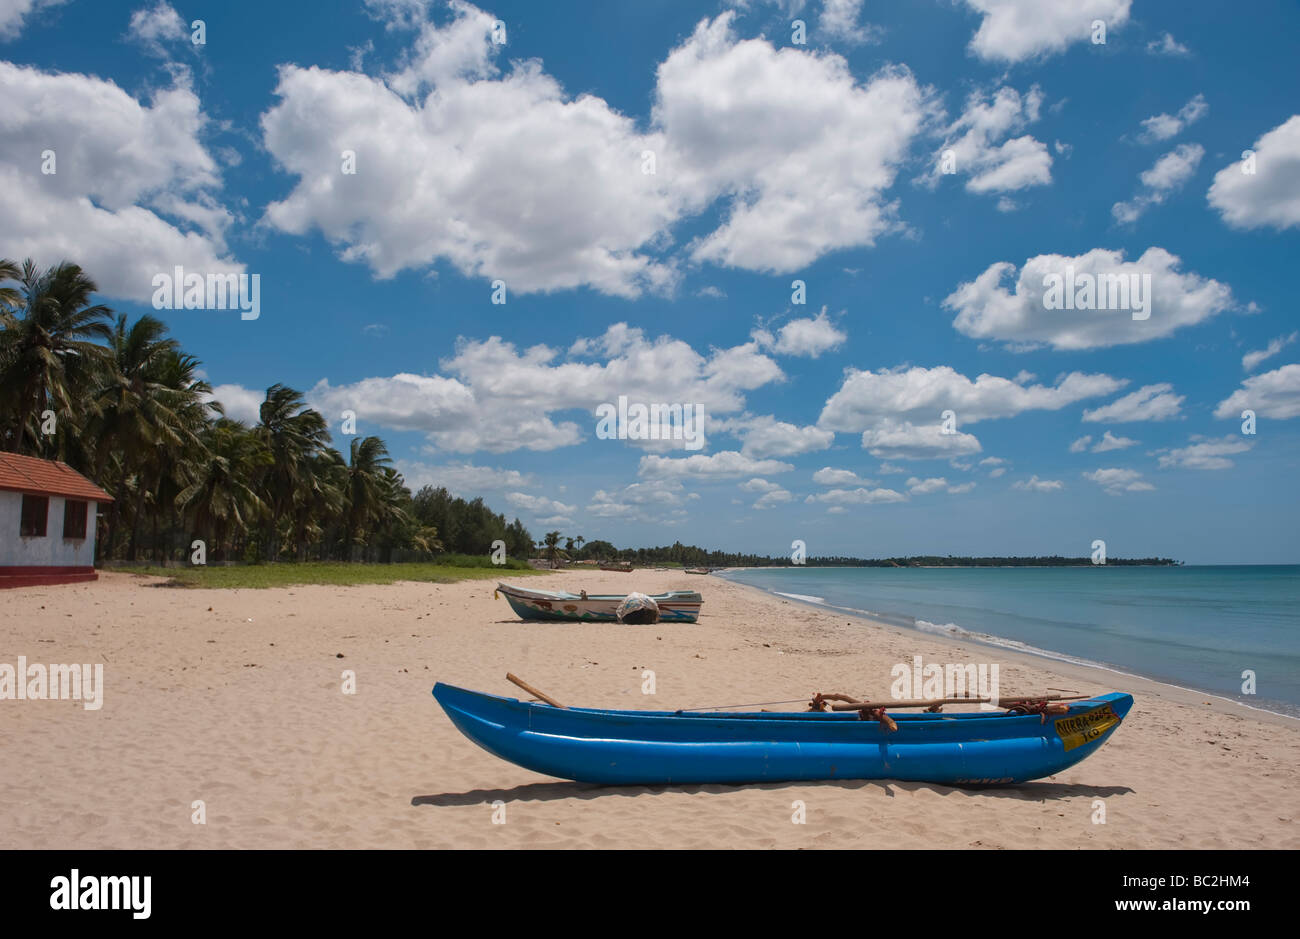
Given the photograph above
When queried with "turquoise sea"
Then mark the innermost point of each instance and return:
(1196, 627)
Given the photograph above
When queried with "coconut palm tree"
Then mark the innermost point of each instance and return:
(192, 408)
(425, 538)
(368, 490)
(219, 499)
(320, 501)
(394, 525)
(48, 358)
(294, 434)
(552, 546)
(149, 411)
(9, 295)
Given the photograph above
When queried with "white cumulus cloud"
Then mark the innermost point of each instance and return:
(1034, 484)
(539, 505)
(859, 496)
(725, 464)
(657, 501)
(830, 476)
(766, 436)
(1169, 174)
(153, 27)
(14, 14)
(808, 337)
(867, 398)
(134, 192)
(1016, 30)
(919, 486)
(1167, 45)
(1110, 441)
(986, 309)
(979, 145)
(1163, 126)
(903, 440)
(1205, 454)
(1251, 360)
(238, 402)
(462, 479)
(1149, 403)
(491, 395)
(1116, 481)
(499, 171)
(1274, 394)
(1268, 197)
(799, 151)
(841, 22)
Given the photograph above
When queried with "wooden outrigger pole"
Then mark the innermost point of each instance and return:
(875, 710)
(853, 704)
(540, 695)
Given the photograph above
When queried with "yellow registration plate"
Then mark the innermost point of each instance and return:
(1085, 728)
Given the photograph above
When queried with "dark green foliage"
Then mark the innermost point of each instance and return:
(130, 412)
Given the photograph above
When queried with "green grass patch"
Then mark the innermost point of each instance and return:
(284, 574)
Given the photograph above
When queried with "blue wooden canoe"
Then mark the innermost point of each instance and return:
(663, 747)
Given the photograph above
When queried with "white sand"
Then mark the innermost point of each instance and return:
(240, 706)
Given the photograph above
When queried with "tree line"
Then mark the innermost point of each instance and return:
(122, 403)
(694, 556)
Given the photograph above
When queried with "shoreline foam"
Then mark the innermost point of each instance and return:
(941, 631)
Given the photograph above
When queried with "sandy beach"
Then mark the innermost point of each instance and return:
(234, 698)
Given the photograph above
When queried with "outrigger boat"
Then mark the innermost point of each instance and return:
(1033, 739)
(678, 606)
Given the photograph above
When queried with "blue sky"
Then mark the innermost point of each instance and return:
(775, 161)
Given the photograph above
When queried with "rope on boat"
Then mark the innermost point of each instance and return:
(823, 699)
(1042, 705)
(1039, 706)
(887, 723)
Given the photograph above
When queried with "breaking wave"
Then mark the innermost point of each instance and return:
(800, 596)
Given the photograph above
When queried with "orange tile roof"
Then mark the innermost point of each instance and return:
(47, 477)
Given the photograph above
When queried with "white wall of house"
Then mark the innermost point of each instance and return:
(51, 551)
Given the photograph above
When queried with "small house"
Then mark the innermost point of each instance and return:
(48, 513)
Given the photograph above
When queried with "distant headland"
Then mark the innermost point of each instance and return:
(696, 557)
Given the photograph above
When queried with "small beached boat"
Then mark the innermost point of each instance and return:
(622, 567)
(669, 747)
(678, 606)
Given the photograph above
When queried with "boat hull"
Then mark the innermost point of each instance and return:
(661, 747)
(682, 606)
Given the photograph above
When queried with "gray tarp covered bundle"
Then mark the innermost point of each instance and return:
(637, 608)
